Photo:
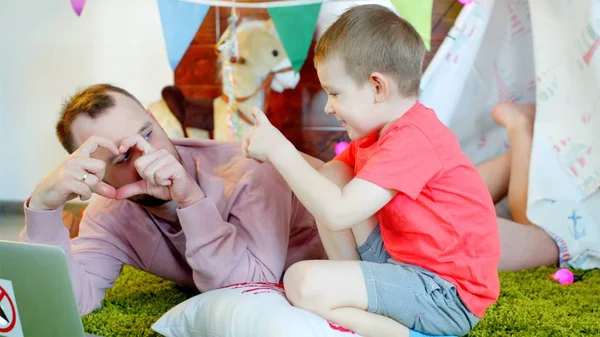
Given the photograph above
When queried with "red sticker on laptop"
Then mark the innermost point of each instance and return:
(10, 324)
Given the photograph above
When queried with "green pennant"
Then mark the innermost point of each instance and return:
(417, 13)
(296, 27)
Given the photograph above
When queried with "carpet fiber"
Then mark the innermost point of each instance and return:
(531, 304)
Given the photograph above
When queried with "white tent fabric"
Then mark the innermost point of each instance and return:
(536, 51)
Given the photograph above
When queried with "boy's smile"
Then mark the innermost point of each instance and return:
(353, 105)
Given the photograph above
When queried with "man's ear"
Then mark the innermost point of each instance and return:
(381, 86)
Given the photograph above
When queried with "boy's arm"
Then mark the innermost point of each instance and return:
(336, 208)
(314, 162)
(389, 170)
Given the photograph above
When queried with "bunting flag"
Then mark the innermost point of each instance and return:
(296, 27)
(77, 6)
(180, 20)
(417, 13)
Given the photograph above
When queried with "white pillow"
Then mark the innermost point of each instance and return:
(246, 309)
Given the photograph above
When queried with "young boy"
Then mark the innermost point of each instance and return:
(431, 263)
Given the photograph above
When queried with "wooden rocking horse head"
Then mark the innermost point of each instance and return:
(262, 65)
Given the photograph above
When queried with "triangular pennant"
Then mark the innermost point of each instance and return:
(296, 27)
(417, 13)
(180, 21)
(77, 6)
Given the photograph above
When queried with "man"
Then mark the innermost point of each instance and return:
(194, 212)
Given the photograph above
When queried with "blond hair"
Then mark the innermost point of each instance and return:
(372, 38)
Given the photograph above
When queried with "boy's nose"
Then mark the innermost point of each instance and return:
(329, 109)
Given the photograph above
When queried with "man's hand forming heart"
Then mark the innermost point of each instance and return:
(163, 176)
(79, 175)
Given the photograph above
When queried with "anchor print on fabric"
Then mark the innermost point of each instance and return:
(577, 229)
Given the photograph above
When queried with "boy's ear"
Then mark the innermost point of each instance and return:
(381, 86)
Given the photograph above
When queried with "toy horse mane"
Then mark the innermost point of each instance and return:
(259, 65)
(245, 25)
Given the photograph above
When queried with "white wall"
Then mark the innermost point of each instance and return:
(330, 11)
(46, 53)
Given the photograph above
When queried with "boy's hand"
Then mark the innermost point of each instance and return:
(263, 139)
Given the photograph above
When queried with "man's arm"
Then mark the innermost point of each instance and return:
(94, 258)
(249, 244)
(337, 208)
(252, 244)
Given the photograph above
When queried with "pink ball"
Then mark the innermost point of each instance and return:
(465, 2)
(340, 147)
(563, 276)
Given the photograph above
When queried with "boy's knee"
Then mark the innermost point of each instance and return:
(301, 285)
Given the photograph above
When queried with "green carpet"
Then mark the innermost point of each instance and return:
(531, 304)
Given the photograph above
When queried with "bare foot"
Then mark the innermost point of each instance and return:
(512, 115)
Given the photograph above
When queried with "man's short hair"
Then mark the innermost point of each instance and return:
(91, 101)
(372, 38)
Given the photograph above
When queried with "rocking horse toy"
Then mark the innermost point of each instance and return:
(252, 62)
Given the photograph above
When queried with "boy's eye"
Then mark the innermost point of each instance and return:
(147, 135)
(332, 94)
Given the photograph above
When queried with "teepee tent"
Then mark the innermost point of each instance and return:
(542, 52)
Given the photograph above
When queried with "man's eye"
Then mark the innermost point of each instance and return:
(147, 135)
(124, 158)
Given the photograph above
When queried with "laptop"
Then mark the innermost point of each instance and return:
(36, 296)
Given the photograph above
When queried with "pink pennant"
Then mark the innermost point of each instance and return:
(77, 6)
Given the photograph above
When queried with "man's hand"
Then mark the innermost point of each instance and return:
(163, 176)
(78, 176)
(263, 139)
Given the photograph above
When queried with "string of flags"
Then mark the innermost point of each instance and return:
(77, 6)
(180, 21)
(294, 20)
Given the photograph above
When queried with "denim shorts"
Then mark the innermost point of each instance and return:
(410, 295)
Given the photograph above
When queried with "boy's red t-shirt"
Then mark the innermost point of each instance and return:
(443, 218)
